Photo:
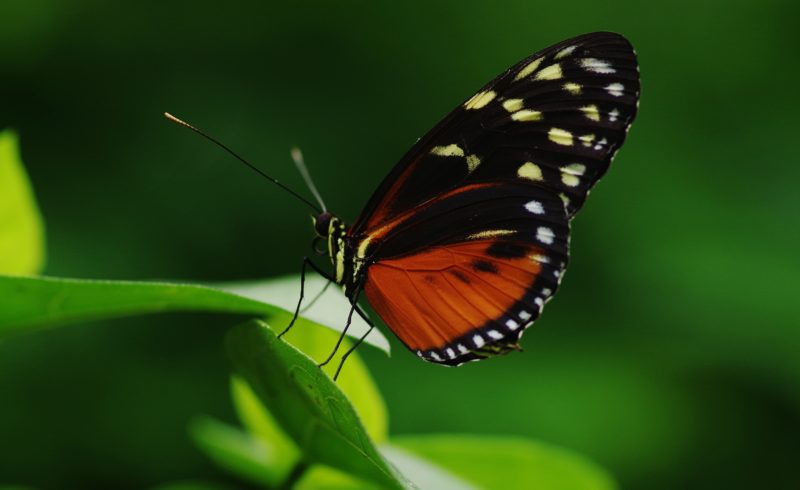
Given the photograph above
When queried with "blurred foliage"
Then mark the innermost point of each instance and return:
(669, 355)
(303, 430)
(21, 232)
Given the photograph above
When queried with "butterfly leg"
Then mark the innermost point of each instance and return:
(306, 262)
(344, 331)
(351, 349)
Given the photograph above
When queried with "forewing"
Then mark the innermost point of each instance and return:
(555, 119)
(484, 260)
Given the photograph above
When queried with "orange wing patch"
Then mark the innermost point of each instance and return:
(455, 303)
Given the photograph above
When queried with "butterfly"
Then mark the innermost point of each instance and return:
(466, 239)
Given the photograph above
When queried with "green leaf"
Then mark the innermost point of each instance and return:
(331, 307)
(309, 407)
(236, 451)
(261, 425)
(22, 249)
(354, 380)
(29, 303)
(509, 462)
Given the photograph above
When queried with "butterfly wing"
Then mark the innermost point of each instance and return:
(467, 237)
(462, 277)
(556, 118)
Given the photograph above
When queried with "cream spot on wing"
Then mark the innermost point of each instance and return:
(535, 207)
(480, 99)
(478, 341)
(541, 259)
(597, 66)
(362, 247)
(591, 112)
(613, 115)
(570, 174)
(545, 235)
(528, 69)
(570, 180)
(527, 115)
(564, 199)
(565, 52)
(524, 315)
(560, 136)
(530, 171)
(472, 162)
(587, 139)
(451, 353)
(447, 151)
(512, 324)
(539, 302)
(433, 355)
(513, 105)
(490, 234)
(547, 291)
(574, 169)
(552, 72)
(461, 349)
(573, 88)
(615, 89)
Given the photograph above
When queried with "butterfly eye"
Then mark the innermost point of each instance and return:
(322, 224)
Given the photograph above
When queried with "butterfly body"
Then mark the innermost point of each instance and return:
(468, 236)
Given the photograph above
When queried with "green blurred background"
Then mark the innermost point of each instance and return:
(671, 355)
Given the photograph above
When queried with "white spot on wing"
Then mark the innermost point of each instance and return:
(545, 235)
(616, 89)
(494, 334)
(535, 207)
(613, 115)
(451, 353)
(461, 349)
(512, 324)
(539, 302)
(435, 356)
(597, 66)
(601, 144)
(478, 341)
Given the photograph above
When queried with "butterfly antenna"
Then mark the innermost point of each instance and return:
(297, 156)
(275, 181)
